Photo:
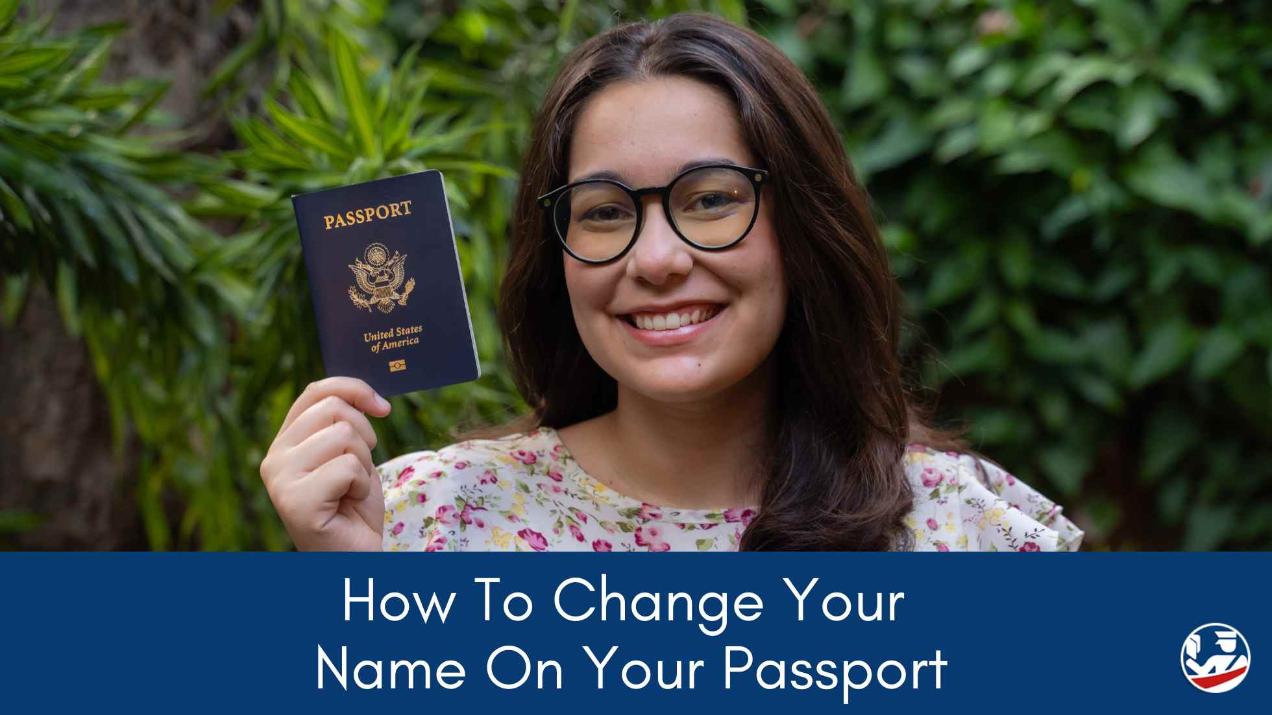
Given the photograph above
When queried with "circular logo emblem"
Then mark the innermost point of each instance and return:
(376, 254)
(1215, 657)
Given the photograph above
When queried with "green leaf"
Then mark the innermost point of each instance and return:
(245, 194)
(353, 91)
(1208, 524)
(1198, 81)
(866, 80)
(1169, 344)
(8, 10)
(1098, 391)
(1015, 262)
(1085, 71)
(1169, 435)
(1218, 349)
(1066, 465)
(68, 298)
(951, 280)
(1161, 176)
(17, 521)
(1143, 107)
(309, 133)
(32, 60)
(900, 141)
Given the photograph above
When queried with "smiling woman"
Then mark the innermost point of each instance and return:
(700, 311)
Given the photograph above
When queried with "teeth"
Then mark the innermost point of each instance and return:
(671, 321)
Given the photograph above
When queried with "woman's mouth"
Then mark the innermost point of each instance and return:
(674, 319)
(671, 327)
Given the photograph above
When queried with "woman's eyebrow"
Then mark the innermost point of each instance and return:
(694, 164)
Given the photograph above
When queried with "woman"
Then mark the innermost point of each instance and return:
(700, 310)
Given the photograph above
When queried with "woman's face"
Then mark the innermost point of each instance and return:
(644, 132)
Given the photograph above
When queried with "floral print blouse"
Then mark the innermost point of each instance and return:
(525, 492)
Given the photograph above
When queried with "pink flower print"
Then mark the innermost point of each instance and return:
(602, 545)
(436, 542)
(580, 516)
(437, 474)
(421, 497)
(554, 475)
(398, 527)
(534, 539)
(931, 524)
(468, 516)
(744, 515)
(445, 514)
(651, 538)
(940, 546)
(524, 456)
(1029, 546)
(649, 512)
(488, 477)
(461, 464)
(708, 525)
(1011, 481)
(546, 487)
(404, 475)
(577, 532)
(931, 477)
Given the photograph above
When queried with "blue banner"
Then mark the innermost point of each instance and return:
(848, 633)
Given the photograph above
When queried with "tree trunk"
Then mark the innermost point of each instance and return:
(56, 465)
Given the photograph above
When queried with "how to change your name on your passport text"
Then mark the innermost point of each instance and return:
(577, 599)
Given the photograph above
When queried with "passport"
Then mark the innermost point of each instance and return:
(385, 279)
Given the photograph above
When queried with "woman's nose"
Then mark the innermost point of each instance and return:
(659, 254)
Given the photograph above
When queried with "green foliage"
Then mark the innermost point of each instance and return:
(1076, 197)
(1079, 201)
(87, 209)
(337, 117)
(361, 91)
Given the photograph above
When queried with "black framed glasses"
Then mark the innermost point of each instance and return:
(710, 207)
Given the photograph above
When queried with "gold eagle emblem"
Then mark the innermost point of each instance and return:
(379, 277)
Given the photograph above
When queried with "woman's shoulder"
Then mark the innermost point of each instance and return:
(463, 496)
(514, 452)
(965, 502)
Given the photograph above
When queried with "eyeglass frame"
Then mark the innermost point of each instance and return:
(548, 201)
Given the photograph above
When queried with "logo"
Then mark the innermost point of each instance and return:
(1215, 657)
(397, 365)
(379, 278)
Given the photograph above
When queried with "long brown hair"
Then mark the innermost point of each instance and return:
(834, 478)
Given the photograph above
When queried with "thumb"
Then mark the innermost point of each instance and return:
(372, 403)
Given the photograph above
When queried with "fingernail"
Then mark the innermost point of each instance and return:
(380, 402)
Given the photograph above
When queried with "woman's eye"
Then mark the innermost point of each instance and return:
(606, 213)
(711, 202)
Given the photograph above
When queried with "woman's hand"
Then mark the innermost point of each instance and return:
(319, 471)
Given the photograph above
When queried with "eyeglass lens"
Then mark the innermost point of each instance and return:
(712, 207)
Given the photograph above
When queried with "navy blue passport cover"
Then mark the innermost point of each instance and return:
(385, 280)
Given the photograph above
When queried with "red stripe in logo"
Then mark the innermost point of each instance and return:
(1210, 681)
